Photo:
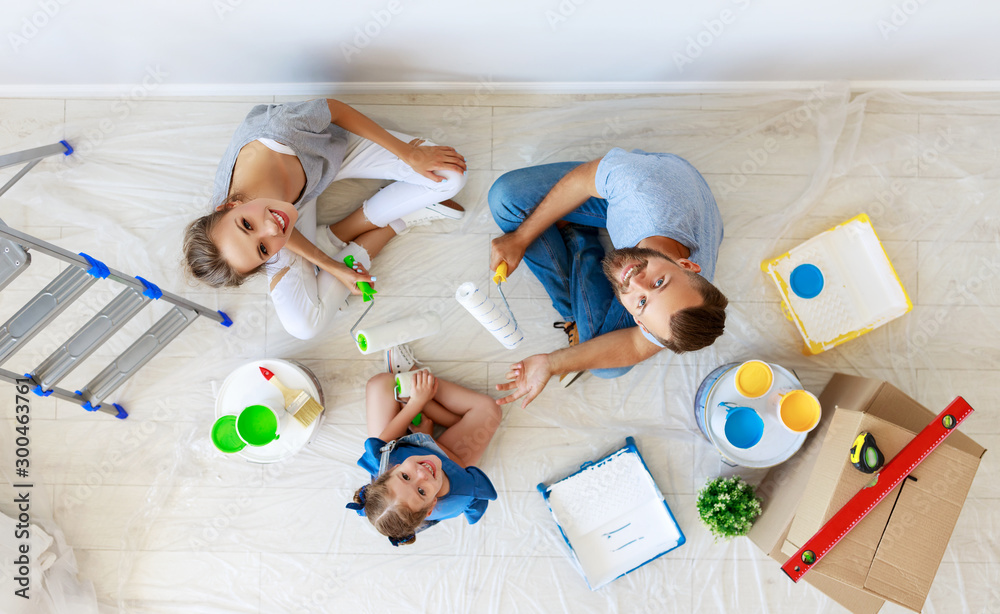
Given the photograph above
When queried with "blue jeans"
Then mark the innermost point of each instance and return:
(566, 261)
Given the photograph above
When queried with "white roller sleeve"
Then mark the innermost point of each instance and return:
(493, 316)
(382, 336)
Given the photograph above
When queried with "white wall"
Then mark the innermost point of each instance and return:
(211, 46)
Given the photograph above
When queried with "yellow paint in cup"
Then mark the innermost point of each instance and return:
(754, 379)
(799, 411)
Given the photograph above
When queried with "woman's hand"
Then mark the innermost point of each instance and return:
(425, 387)
(350, 277)
(425, 158)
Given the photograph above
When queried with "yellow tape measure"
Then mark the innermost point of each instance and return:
(865, 455)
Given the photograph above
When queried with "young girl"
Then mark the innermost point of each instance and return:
(417, 480)
(280, 159)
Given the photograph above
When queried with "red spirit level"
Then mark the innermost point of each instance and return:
(894, 472)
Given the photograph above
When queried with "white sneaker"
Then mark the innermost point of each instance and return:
(400, 359)
(433, 213)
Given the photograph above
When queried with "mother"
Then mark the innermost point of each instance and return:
(280, 159)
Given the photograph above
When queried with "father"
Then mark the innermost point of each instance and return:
(666, 228)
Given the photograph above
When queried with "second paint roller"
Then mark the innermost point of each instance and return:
(382, 336)
(492, 316)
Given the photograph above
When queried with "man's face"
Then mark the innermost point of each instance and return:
(651, 286)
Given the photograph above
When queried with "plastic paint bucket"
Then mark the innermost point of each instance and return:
(225, 437)
(257, 425)
(754, 379)
(799, 411)
(744, 428)
(717, 394)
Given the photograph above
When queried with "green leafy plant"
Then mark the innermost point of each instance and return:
(728, 507)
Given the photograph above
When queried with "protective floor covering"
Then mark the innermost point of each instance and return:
(161, 522)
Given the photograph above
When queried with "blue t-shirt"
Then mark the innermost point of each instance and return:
(660, 195)
(470, 491)
(305, 127)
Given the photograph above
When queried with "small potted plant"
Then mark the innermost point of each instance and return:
(728, 507)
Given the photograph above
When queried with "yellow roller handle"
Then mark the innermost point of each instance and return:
(501, 273)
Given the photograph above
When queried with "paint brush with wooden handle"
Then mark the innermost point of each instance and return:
(298, 403)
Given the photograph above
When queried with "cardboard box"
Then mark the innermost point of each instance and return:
(894, 553)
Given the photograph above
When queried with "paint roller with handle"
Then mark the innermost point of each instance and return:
(495, 318)
(501, 276)
(383, 336)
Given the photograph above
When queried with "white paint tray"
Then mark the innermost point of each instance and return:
(612, 516)
(858, 289)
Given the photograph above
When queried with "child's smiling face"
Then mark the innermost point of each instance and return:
(417, 482)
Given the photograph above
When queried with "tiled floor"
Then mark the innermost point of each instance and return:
(161, 522)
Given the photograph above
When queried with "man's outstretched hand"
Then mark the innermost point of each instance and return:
(527, 379)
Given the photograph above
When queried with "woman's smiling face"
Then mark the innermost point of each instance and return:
(251, 233)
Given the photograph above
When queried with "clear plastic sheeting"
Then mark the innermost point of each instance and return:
(159, 521)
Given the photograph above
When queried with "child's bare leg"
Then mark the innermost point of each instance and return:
(480, 417)
(440, 414)
(380, 404)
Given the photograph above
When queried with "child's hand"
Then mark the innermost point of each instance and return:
(425, 387)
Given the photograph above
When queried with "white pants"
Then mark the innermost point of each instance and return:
(307, 298)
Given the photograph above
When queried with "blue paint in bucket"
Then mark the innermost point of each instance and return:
(744, 428)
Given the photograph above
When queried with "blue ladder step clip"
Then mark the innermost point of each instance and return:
(152, 291)
(226, 320)
(97, 268)
(38, 387)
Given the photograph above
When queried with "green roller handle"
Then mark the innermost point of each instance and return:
(366, 288)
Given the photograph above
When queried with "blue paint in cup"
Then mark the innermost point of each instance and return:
(744, 427)
(806, 281)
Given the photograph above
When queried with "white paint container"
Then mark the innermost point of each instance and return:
(718, 393)
(493, 316)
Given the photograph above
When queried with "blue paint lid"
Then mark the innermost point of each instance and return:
(806, 281)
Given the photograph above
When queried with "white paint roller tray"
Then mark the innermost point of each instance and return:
(838, 285)
(612, 516)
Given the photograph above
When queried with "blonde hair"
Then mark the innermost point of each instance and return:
(203, 257)
(392, 519)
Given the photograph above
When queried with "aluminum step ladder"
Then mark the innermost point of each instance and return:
(60, 293)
